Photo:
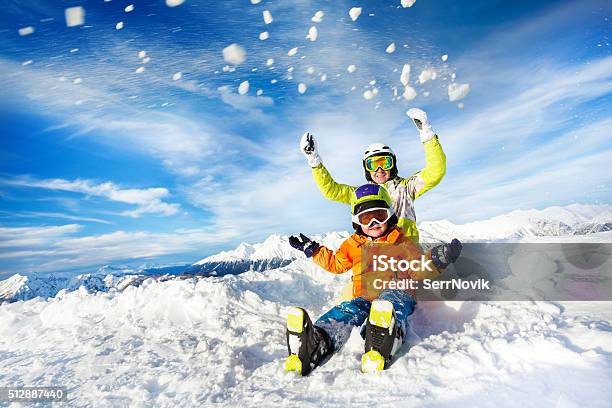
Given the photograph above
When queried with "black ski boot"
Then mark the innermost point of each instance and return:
(308, 345)
(383, 337)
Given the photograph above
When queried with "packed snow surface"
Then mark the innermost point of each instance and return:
(221, 340)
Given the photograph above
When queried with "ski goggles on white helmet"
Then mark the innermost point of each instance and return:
(373, 163)
(369, 217)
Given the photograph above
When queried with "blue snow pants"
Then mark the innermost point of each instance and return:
(339, 321)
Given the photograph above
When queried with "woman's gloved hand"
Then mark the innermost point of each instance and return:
(419, 117)
(308, 147)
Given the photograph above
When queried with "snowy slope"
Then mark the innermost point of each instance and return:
(221, 340)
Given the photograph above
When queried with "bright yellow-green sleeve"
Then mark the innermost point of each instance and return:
(434, 171)
(329, 188)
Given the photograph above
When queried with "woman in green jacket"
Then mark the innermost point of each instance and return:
(380, 165)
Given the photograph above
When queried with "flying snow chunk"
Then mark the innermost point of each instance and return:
(351, 68)
(445, 57)
(460, 105)
(302, 88)
(457, 91)
(234, 54)
(146, 60)
(409, 93)
(355, 12)
(75, 16)
(243, 88)
(267, 16)
(323, 77)
(142, 54)
(408, 3)
(177, 76)
(259, 92)
(129, 9)
(370, 93)
(140, 70)
(26, 31)
(391, 48)
(26, 63)
(174, 3)
(318, 17)
(313, 33)
(310, 70)
(426, 75)
(255, 1)
(77, 81)
(269, 62)
(405, 75)
(273, 81)
(264, 36)
(292, 52)
(119, 25)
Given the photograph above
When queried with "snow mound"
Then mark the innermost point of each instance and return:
(221, 341)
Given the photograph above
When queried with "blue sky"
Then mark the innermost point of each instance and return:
(102, 164)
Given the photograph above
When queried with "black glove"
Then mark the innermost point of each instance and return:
(444, 255)
(304, 244)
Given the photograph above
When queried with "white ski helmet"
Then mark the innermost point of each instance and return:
(377, 148)
(381, 149)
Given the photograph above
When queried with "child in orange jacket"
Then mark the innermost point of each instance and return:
(385, 312)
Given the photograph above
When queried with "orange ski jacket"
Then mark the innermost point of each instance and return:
(348, 256)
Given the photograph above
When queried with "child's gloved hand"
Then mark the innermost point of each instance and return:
(308, 147)
(444, 255)
(419, 117)
(304, 244)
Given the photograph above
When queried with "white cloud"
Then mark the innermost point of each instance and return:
(149, 201)
(57, 248)
(42, 214)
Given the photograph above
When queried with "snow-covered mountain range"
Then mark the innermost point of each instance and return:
(275, 251)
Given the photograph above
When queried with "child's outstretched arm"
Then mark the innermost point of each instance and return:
(338, 262)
